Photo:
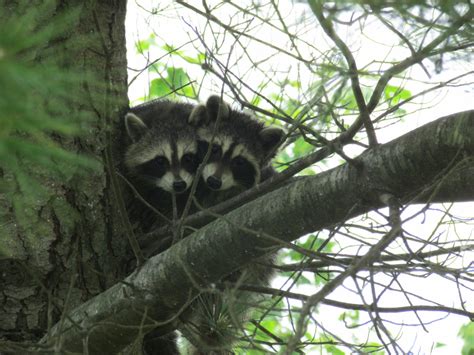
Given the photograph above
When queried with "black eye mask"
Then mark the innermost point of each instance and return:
(190, 162)
(243, 171)
(156, 167)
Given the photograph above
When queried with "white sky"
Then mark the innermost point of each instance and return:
(176, 29)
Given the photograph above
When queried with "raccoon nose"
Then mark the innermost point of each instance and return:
(214, 183)
(179, 186)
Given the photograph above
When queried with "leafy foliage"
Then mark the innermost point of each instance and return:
(168, 80)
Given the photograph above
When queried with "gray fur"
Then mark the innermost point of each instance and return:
(260, 140)
(160, 128)
(216, 123)
(154, 128)
(135, 126)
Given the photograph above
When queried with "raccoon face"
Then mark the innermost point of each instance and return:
(162, 159)
(240, 145)
(230, 164)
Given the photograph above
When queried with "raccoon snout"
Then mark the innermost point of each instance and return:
(214, 183)
(179, 186)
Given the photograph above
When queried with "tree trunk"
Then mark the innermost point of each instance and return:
(74, 247)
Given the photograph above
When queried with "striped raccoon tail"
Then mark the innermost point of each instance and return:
(213, 323)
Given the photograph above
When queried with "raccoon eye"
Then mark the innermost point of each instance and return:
(188, 158)
(215, 149)
(238, 161)
(155, 167)
(161, 161)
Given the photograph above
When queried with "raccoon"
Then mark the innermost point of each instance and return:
(240, 152)
(161, 159)
(164, 148)
(241, 146)
(168, 142)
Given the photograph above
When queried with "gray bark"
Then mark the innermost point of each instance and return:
(72, 246)
(410, 168)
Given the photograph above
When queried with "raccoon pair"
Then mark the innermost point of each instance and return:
(169, 141)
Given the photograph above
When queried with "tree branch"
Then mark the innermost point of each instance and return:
(317, 7)
(167, 282)
(355, 306)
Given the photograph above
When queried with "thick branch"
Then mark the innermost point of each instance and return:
(405, 167)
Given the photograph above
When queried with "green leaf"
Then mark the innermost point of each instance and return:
(295, 256)
(159, 88)
(180, 82)
(194, 60)
(395, 94)
(177, 77)
(373, 348)
(303, 280)
(256, 100)
(199, 59)
(144, 45)
(467, 333)
(331, 349)
(169, 48)
(156, 68)
(301, 148)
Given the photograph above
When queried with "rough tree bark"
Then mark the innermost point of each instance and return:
(75, 248)
(408, 168)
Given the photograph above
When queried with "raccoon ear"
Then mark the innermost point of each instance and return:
(135, 126)
(198, 116)
(271, 137)
(213, 104)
